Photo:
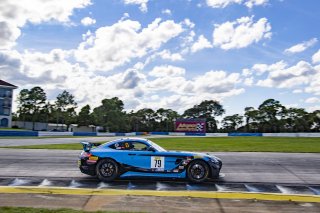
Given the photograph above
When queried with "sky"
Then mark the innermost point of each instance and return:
(164, 53)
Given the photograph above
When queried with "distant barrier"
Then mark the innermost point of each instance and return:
(18, 133)
(45, 134)
(4, 133)
(299, 134)
(84, 134)
(243, 134)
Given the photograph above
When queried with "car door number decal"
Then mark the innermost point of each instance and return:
(157, 163)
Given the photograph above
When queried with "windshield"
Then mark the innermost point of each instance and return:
(157, 147)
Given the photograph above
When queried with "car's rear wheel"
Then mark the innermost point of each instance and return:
(107, 170)
(198, 171)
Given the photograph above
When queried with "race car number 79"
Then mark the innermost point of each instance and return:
(157, 162)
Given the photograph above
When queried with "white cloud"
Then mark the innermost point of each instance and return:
(225, 3)
(166, 54)
(248, 81)
(288, 77)
(200, 44)
(54, 73)
(86, 21)
(312, 100)
(167, 70)
(251, 3)
(297, 91)
(216, 82)
(115, 45)
(188, 23)
(313, 108)
(167, 12)
(182, 93)
(143, 4)
(259, 69)
(14, 15)
(316, 57)
(222, 3)
(302, 46)
(314, 86)
(241, 33)
(130, 79)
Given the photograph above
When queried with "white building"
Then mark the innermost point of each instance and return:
(6, 94)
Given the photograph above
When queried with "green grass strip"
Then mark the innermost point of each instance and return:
(222, 144)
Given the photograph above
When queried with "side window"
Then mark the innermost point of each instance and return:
(118, 145)
(137, 146)
(126, 145)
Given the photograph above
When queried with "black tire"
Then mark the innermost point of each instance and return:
(107, 170)
(198, 171)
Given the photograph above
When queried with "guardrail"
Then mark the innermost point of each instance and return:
(4, 133)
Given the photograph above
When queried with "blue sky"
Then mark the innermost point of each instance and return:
(165, 53)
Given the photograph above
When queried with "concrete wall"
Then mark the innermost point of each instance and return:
(28, 125)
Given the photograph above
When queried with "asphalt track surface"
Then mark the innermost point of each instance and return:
(282, 174)
(243, 167)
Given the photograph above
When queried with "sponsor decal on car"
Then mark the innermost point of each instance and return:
(157, 163)
(93, 158)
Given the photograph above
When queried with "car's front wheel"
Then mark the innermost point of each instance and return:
(198, 171)
(107, 170)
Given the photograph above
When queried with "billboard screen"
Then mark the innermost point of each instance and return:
(190, 125)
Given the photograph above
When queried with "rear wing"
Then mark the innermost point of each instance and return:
(87, 146)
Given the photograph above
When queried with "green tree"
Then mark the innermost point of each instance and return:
(146, 119)
(110, 115)
(208, 109)
(85, 117)
(271, 113)
(232, 122)
(23, 105)
(65, 108)
(252, 117)
(315, 121)
(31, 103)
(165, 118)
(296, 120)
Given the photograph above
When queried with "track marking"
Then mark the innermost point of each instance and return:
(195, 194)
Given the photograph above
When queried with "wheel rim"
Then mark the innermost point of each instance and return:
(107, 169)
(198, 171)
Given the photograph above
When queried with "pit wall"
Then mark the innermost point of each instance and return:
(88, 134)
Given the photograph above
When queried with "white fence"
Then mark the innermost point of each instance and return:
(43, 134)
(301, 134)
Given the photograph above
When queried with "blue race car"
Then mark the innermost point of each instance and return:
(136, 157)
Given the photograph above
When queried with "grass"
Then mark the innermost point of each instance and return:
(223, 144)
(42, 210)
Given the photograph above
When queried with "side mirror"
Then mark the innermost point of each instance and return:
(150, 148)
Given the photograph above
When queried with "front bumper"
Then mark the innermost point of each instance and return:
(215, 168)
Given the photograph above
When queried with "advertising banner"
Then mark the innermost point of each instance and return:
(190, 125)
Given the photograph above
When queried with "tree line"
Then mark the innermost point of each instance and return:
(270, 116)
